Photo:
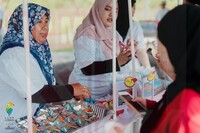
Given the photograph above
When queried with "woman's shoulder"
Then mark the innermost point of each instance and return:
(190, 109)
(85, 38)
(13, 52)
(12, 57)
(192, 97)
(187, 100)
(136, 24)
(185, 111)
(190, 93)
(88, 32)
(86, 42)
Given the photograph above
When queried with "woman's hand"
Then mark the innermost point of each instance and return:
(123, 57)
(81, 91)
(125, 54)
(141, 101)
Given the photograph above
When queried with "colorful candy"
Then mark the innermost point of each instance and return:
(65, 117)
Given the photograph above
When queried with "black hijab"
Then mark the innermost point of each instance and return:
(194, 2)
(179, 31)
(123, 17)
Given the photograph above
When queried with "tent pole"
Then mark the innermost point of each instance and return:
(27, 50)
(115, 96)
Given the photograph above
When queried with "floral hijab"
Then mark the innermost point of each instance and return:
(15, 38)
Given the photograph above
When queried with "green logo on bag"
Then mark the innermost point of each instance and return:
(9, 108)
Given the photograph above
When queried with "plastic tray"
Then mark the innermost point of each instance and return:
(103, 116)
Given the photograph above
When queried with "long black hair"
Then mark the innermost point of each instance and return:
(123, 17)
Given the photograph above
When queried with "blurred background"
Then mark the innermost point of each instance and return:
(67, 15)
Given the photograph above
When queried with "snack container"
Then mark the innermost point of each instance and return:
(97, 121)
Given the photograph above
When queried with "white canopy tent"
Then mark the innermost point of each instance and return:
(26, 40)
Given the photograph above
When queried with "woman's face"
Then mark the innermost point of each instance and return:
(164, 62)
(41, 29)
(106, 15)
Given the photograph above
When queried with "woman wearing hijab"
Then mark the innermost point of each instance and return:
(93, 50)
(178, 48)
(124, 31)
(13, 64)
